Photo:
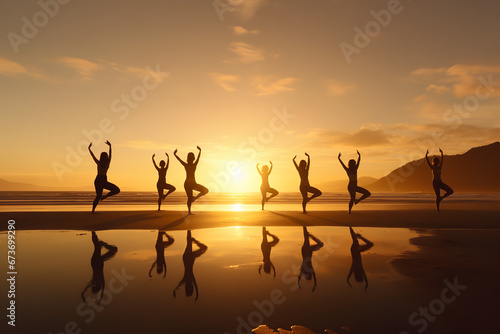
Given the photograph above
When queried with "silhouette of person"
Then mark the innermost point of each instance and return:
(266, 246)
(305, 187)
(307, 269)
(190, 183)
(353, 188)
(188, 258)
(357, 265)
(97, 262)
(162, 183)
(265, 188)
(101, 180)
(161, 265)
(437, 183)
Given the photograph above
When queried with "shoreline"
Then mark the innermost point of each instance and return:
(455, 218)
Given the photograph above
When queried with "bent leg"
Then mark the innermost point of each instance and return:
(201, 189)
(273, 192)
(363, 191)
(113, 190)
(170, 189)
(315, 192)
(448, 190)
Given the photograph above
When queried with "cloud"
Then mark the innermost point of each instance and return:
(270, 86)
(337, 88)
(462, 80)
(83, 67)
(246, 53)
(239, 30)
(10, 68)
(223, 80)
(364, 137)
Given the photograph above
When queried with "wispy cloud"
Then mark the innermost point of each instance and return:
(246, 53)
(224, 80)
(239, 30)
(84, 68)
(338, 88)
(269, 86)
(10, 68)
(248, 8)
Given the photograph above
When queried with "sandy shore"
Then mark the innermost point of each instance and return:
(484, 218)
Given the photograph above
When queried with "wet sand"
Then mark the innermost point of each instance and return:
(484, 217)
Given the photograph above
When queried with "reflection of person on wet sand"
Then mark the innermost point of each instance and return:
(162, 182)
(265, 187)
(188, 258)
(190, 184)
(305, 187)
(97, 262)
(437, 183)
(352, 172)
(357, 265)
(307, 269)
(161, 266)
(101, 180)
(266, 246)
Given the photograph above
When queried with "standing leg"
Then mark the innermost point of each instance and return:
(189, 193)
(98, 193)
(437, 190)
(160, 195)
(303, 192)
(352, 193)
(263, 192)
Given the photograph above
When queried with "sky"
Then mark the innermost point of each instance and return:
(249, 81)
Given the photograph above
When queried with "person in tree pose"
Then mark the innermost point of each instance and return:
(162, 183)
(266, 247)
(352, 187)
(188, 258)
(307, 269)
(161, 265)
(101, 180)
(357, 265)
(97, 262)
(305, 187)
(437, 183)
(190, 184)
(265, 188)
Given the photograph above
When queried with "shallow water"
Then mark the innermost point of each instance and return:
(54, 268)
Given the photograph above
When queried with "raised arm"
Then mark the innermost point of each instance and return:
(168, 160)
(342, 163)
(270, 169)
(258, 170)
(295, 163)
(442, 157)
(308, 161)
(199, 154)
(359, 159)
(180, 160)
(154, 163)
(109, 155)
(92, 154)
(427, 158)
